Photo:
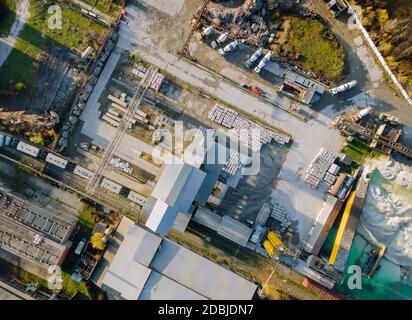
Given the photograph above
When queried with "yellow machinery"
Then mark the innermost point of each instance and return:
(272, 243)
(341, 229)
(269, 247)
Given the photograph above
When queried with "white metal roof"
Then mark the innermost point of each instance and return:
(172, 199)
(319, 223)
(57, 161)
(171, 182)
(200, 274)
(149, 267)
(28, 149)
(110, 185)
(159, 287)
(82, 172)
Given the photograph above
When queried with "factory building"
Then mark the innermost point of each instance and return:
(185, 186)
(301, 88)
(148, 266)
(30, 237)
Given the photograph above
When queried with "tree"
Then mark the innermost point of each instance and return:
(37, 139)
(97, 242)
(20, 86)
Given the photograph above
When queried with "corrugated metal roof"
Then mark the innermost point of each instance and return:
(163, 215)
(159, 287)
(200, 274)
(171, 182)
(174, 272)
(207, 218)
(181, 222)
(319, 223)
(234, 230)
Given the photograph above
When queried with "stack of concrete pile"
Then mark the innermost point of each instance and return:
(319, 167)
(234, 162)
(247, 130)
(157, 81)
(121, 165)
(279, 214)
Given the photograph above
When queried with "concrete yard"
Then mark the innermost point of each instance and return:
(292, 192)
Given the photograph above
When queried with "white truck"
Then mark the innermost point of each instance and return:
(220, 40)
(263, 62)
(343, 87)
(229, 48)
(255, 56)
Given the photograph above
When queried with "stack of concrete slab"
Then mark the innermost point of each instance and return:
(157, 81)
(253, 134)
(318, 169)
(279, 214)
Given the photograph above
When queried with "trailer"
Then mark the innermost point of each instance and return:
(111, 186)
(28, 149)
(343, 87)
(137, 198)
(220, 40)
(229, 48)
(56, 161)
(255, 56)
(82, 172)
(263, 62)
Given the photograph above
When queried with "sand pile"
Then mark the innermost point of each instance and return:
(387, 214)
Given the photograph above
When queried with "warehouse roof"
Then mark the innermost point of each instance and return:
(173, 273)
(200, 274)
(207, 218)
(234, 230)
(174, 196)
(159, 287)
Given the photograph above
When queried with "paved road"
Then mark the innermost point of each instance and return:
(382, 97)
(7, 44)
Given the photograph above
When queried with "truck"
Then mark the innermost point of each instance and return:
(343, 87)
(220, 40)
(336, 7)
(229, 48)
(361, 114)
(254, 57)
(263, 62)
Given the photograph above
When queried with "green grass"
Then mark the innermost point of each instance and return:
(7, 21)
(360, 152)
(110, 7)
(30, 49)
(321, 55)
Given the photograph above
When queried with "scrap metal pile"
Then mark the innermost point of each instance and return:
(245, 22)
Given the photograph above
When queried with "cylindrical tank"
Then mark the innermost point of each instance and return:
(87, 53)
(7, 140)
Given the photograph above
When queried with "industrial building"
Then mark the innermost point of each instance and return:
(183, 186)
(301, 88)
(148, 266)
(30, 237)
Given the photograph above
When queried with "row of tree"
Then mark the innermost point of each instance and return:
(389, 23)
(4, 9)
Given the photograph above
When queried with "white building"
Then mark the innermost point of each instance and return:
(149, 267)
